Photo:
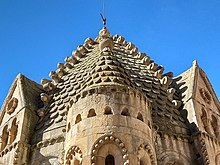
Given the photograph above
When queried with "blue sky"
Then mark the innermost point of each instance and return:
(37, 34)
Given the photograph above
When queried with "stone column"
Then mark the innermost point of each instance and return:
(10, 136)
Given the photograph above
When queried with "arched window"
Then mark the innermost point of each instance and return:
(140, 117)
(205, 121)
(13, 131)
(4, 139)
(78, 118)
(215, 126)
(108, 111)
(125, 112)
(109, 160)
(91, 113)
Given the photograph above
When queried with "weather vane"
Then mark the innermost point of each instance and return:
(103, 20)
(103, 13)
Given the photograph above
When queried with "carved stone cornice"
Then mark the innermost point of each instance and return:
(48, 142)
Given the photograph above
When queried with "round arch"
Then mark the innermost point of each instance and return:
(169, 158)
(109, 145)
(146, 154)
(74, 156)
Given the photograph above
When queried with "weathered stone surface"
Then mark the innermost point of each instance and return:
(110, 104)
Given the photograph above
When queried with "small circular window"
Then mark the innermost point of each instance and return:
(12, 105)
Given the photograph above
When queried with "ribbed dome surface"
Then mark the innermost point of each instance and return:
(121, 65)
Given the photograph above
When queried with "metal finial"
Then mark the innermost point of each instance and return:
(103, 20)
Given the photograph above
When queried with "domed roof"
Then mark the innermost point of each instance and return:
(108, 61)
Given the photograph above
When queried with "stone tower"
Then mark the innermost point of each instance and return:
(105, 118)
(111, 105)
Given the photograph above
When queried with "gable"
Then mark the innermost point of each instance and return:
(12, 103)
(197, 94)
(204, 93)
(23, 93)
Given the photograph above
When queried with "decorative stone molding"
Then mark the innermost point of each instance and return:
(165, 81)
(204, 151)
(18, 152)
(82, 49)
(177, 103)
(55, 77)
(48, 85)
(145, 60)
(173, 158)
(45, 98)
(77, 54)
(88, 42)
(146, 148)
(12, 105)
(206, 135)
(109, 139)
(181, 137)
(202, 137)
(159, 72)
(74, 154)
(206, 95)
(8, 149)
(171, 92)
(47, 142)
(20, 158)
(71, 59)
(41, 112)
